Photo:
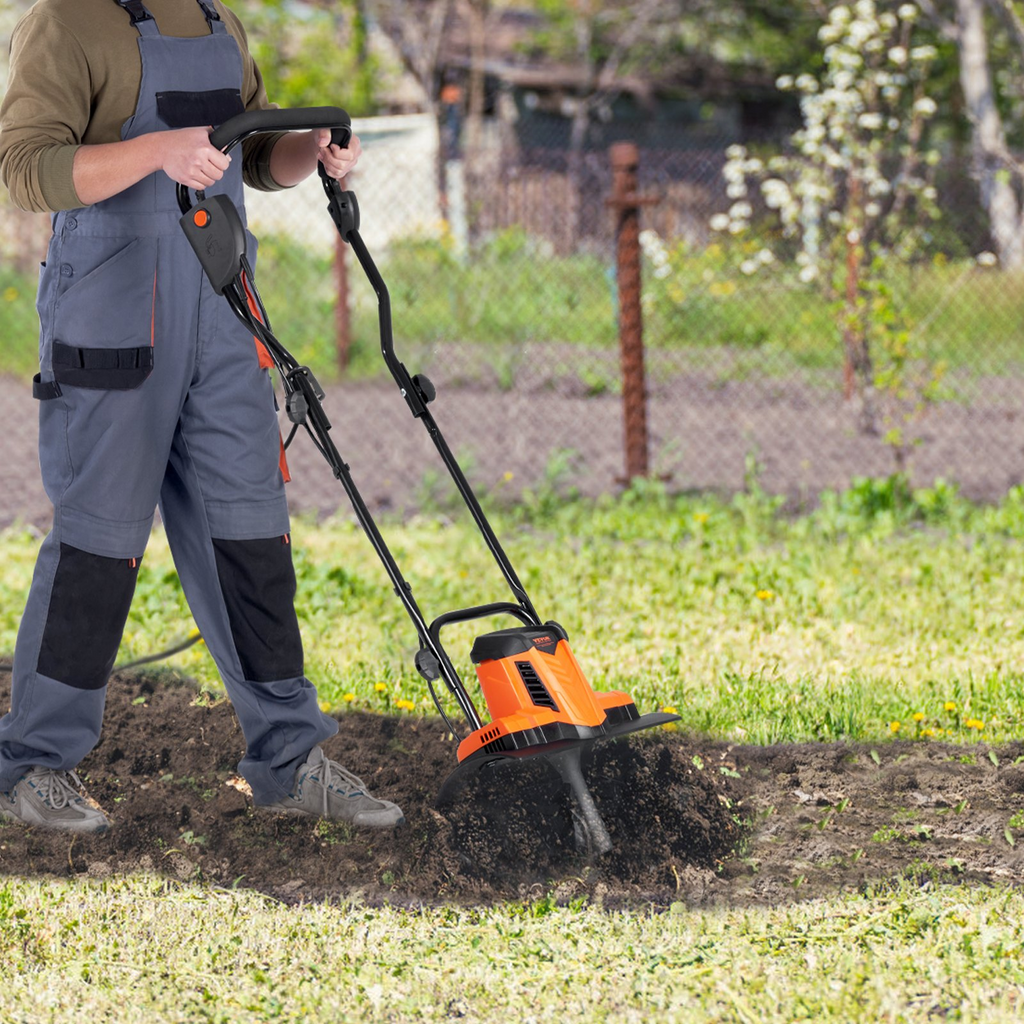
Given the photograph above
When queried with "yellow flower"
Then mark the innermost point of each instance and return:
(974, 723)
(918, 716)
(895, 726)
(405, 705)
(508, 475)
(701, 517)
(670, 711)
(324, 706)
(380, 687)
(764, 595)
(348, 698)
(927, 732)
(950, 705)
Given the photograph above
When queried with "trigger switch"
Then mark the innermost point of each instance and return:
(425, 387)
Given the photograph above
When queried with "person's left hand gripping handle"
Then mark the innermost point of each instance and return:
(337, 161)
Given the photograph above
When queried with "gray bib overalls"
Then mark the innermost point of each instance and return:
(152, 392)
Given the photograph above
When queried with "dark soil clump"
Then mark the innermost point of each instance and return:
(692, 820)
(165, 773)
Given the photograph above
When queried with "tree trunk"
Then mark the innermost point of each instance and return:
(584, 31)
(1006, 219)
(476, 11)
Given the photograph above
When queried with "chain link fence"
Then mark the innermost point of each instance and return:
(502, 274)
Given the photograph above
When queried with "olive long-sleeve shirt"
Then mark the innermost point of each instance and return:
(75, 73)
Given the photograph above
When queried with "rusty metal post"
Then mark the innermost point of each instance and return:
(625, 158)
(342, 314)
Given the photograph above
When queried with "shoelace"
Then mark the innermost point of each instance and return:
(332, 772)
(55, 789)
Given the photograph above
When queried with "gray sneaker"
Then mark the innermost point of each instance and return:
(325, 789)
(45, 797)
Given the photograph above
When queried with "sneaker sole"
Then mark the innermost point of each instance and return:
(298, 812)
(86, 830)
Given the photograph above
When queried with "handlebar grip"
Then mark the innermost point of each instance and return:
(235, 129)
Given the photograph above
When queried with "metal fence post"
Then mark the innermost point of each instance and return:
(625, 158)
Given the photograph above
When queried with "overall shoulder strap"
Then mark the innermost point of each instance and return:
(209, 11)
(138, 13)
(136, 10)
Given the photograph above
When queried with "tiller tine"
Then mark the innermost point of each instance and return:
(544, 709)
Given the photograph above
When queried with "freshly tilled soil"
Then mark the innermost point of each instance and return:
(692, 820)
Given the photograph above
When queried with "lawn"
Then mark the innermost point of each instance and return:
(142, 950)
(881, 614)
(758, 626)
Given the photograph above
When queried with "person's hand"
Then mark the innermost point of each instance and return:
(337, 161)
(188, 158)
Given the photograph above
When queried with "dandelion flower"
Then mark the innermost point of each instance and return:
(348, 698)
(919, 717)
(895, 726)
(380, 687)
(670, 711)
(764, 595)
(950, 705)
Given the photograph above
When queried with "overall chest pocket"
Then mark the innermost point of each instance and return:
(104, 314)
(187, 109)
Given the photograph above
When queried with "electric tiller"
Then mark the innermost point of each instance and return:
(540, 703)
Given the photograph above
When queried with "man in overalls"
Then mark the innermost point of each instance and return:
(151, 392)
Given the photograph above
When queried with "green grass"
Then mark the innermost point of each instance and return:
(143, 950)
(755, 625)
(512, 292)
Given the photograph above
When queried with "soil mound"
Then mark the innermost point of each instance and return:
(165, 773)
(692, 820)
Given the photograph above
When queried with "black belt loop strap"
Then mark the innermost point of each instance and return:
(43, 391)
(209, 10)
(135, 10)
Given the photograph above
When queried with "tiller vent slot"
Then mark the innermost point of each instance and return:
(534, 687)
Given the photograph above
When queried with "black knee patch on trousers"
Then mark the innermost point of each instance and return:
(89, 604)
(257, 580)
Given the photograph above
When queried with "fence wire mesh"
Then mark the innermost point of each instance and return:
(502, 277)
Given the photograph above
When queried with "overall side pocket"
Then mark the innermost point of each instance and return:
(104, 317)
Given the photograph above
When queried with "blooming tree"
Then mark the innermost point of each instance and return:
(856, 191)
